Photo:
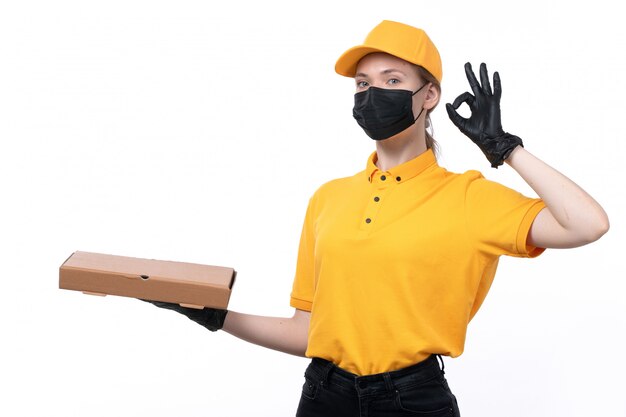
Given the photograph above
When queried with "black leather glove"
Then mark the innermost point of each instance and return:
(211, 318)
(484, 127)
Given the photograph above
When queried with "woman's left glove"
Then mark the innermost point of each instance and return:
(211, 318)
(484, 127)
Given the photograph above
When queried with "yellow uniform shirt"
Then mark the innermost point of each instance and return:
(393, 265)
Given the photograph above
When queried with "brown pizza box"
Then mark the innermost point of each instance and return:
(187, 284)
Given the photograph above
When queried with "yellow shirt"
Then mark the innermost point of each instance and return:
(393, 265)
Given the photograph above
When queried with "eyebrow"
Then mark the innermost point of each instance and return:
(387, 71)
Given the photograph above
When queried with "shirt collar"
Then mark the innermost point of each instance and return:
(402, 172)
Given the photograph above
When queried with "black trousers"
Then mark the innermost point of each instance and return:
(418, 390)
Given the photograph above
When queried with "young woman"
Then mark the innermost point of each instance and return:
(395, 261)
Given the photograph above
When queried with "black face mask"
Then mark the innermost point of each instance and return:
(384, 112)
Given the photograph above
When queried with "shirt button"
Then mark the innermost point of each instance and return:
(368, 220)
(398, 179)
(377, 199)
(383, 178)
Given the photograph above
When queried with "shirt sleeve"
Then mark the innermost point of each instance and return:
(499, 218)
(304, 281)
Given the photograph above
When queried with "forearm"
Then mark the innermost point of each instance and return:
(577, 213)
(284, 334)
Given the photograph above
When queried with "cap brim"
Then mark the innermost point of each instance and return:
(347, 62)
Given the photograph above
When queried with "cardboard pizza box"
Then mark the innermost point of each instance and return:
(187, 284)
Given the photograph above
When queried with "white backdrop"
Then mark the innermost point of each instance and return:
(196, 131)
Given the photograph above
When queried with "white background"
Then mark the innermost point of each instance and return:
(196, 131)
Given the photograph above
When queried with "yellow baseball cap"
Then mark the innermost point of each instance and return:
(397, 39)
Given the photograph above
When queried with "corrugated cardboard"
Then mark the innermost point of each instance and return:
(188, 284)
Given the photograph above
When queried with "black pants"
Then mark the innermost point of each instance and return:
(419, 390)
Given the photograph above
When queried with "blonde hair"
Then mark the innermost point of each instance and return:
(431, 143)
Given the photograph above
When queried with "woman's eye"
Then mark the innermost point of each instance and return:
(393, 81)
(361, 84)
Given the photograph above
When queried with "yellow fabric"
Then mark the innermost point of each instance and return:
(387, 293)
(400, 40)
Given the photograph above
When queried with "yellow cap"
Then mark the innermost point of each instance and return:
(397, 39)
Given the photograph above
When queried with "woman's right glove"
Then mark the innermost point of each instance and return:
(211, 318)
(484, 127)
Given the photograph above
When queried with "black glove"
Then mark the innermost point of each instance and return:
(484, 127)
(211, 318)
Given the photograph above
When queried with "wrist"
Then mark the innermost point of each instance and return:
(214, 319)
(500, 148)
(514, 155)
